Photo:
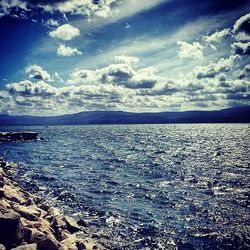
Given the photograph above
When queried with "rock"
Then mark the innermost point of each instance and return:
(41, 224)
(83, 223)
(28, 136)
(26, 234)
(44, 241)
(18, 136)
(28, 212)
(64, 234)
(45, 225)
(3, 164)
(81, 245)
(13, 194)
(58, 222)
(87, 245)
(1, 180)
(10, 227)
(5, 204)
(30, 201)
(68, 247)
(72, 226)
(2, 172)
(67, 196)
(2, 247)
(70, 243)
(44, 207)
(26, 223)
(63, 247)
(30, 227)
(37, 199)
(53, 212)
(26, 247)
(1, 193)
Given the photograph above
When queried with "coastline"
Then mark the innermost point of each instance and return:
(28, 224)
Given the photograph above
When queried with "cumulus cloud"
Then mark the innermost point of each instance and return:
(28, 97)
(215, 68)
(241, 48)
(58, 77)
(6, 102)
(217, 36)
(6, 6)
(74, 7)
(82, 7)
(201, 92)
(65, 32)
(241, 28)
(27, 88)
(37, 72)
(242, 37)
(67, 51)
(51, 23)
(119, 73)
(190, 50)
(245, 73)
(242, 24)
(247, 69)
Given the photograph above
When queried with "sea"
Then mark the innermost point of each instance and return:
(171, 186)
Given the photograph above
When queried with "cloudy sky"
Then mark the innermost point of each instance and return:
(66, 56)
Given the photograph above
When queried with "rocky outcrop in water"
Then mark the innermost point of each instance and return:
(25, 224)
(18, 136)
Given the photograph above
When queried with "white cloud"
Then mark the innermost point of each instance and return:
(115, 10)
(108, 10)
(245, 73)
(65, 32)
(27, 88)
(217, 36)
(247, 69)
(82, 7)
(193, 50)
(159, 51)
(242, 37)
(126, 59)
(51, 23)
(241, 28)
(127, 26)
(37, 72)
(58, 77)
(119, 73)
(7, 5)
(214, 68)
(241, 48)
(120, 86)
(67, 51)
(240, 23)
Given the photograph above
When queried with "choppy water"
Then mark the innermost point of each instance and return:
(146, 186)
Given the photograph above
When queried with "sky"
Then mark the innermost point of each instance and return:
(66, 56)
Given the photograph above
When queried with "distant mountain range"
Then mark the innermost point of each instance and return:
(230, 115)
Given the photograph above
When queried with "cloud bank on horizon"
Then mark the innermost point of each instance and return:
(65, 56)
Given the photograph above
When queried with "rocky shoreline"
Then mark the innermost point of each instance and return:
(18, 136)
(28, 224)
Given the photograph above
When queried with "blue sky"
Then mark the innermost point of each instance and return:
(62, 56)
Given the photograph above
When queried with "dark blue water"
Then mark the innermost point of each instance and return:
(145, 186)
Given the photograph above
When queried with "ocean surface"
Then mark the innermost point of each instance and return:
(144, 186)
